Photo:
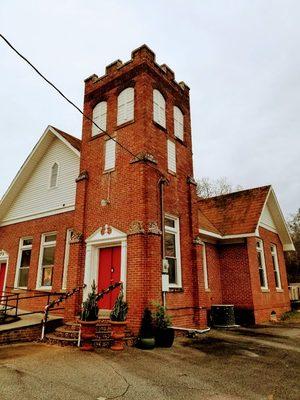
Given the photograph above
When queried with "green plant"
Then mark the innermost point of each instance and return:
(120, 310)
(147, 330)
(90, 306)
(288, 315)
(161, 319)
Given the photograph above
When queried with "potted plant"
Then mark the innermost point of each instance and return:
(89, 319)
(146, 338)
(164, 334)
(118, 322)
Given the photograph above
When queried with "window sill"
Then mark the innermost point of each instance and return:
(108, 171)
(44, 289)
(264, 290)
(175, 289)
(180, 141)
(172, 172)
(124, 124)
(159, 126)
(279, 290)
(97, 136)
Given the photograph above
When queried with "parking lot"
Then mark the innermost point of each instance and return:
(260, 363)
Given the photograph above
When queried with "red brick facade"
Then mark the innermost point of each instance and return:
(133, 189)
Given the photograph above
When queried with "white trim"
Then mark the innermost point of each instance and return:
(48, 213)
(97, 241)
(218, 236)
(277, 269)
(44, 245)
(205, 269)
(176, 232)
(261, 251)
(4, 258)
(66, 259)
(21, 248)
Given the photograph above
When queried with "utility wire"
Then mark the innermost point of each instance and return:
(71, 102)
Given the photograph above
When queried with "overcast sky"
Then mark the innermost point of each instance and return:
(240, 58)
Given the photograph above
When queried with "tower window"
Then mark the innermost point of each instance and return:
(54, 175)
(125, 106)
(178, 123)
(110, 155)
(171, 156)
(159, 108)
(99, 117)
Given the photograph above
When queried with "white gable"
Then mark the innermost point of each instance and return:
(267, 220)
(36, 198)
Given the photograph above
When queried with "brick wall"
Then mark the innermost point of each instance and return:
(273, 299)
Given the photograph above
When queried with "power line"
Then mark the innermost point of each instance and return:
(71, 102)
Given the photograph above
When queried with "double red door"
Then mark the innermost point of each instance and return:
(109, 272)
(2, 277)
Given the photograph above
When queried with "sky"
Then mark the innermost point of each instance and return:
(240, 58)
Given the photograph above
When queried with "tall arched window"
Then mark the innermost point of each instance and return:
(125, 106)
(99, 117)
(54, 175)
(178, 123)
(159, 108)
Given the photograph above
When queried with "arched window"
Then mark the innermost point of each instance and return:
(99, 117)
(178, 123)
(159, 108)
(125, 106)
(54, 175)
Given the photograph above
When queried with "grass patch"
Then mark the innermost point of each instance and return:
(289, 315)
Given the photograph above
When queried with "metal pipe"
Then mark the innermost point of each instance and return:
(190, 330)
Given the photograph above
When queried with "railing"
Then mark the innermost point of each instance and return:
(52, 304)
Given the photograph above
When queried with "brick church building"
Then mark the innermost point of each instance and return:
(124, 207)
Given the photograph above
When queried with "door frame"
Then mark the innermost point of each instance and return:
(4, 260)
(104, 237)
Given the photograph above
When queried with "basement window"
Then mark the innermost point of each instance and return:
(261, 264)
(172, 251)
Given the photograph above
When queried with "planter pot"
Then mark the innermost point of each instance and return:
(146, 343)
(88, 333)
(164, 337)
(118, 334)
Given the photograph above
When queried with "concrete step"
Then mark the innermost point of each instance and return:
(61, 341)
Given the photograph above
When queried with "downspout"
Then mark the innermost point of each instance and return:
(162, 181)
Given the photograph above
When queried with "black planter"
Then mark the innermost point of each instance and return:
(146, 343)
(164, 337)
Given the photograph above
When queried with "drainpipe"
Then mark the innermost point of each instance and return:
(162, 181)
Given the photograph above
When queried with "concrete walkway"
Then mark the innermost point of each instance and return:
(26, 321)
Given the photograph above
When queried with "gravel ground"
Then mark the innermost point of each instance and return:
(260, 363)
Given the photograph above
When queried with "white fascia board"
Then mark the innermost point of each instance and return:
(39, 215)
(60, 137)
(216, 235)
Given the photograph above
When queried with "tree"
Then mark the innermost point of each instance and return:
(292, 258)
(207, 187)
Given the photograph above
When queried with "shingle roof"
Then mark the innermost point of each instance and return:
(74, 141)
(233, 213)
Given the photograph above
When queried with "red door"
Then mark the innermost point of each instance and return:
(109, 272)
(2, 277)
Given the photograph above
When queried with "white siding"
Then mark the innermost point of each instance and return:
(178, 123)
(125, 106)
(171, 156)
(267, 220)
(159, 108)
(99, 117)
(36, 197)
(110, 154)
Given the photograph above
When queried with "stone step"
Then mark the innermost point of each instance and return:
(61, 341)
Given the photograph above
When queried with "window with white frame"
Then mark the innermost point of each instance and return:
(275, 266)
(159, 108)
(24, 258)
(171, 156)
(66, 259)
(99, 117)
(172, 250)
(54, 175)
(205, 269)
(261, 264)
(125, 106)
(110, 155)
(178, 123)
(47, 258)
